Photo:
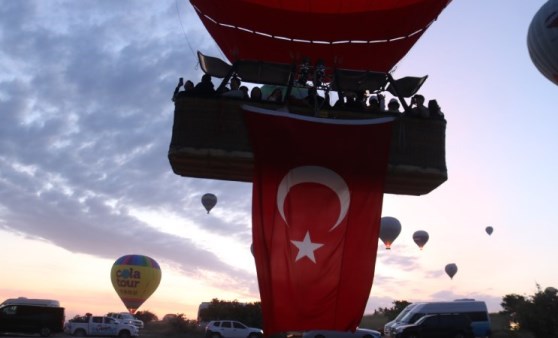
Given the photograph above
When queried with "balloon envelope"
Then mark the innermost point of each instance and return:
(135, 278)
(366, 35)
(451, 270)
(209, 201)
(489, 230)
(390, 228)
(420, 237)
(542, 40)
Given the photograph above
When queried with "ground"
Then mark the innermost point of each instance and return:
(375, 322)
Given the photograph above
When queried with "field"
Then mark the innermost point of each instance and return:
(376, 322)
(165, 330)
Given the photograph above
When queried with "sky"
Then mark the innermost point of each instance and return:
(85, 125)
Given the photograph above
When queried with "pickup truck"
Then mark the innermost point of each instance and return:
(100, 326)
(126, 317)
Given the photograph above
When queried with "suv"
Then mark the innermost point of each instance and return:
(438, 325)
(126, 318)
(231, 329)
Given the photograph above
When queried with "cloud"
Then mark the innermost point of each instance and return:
(398, 259)
(492, 302)
(85, 127)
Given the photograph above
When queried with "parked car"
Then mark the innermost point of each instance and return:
(359, 333)
(231, 329)
(126, 318)
(438, 326)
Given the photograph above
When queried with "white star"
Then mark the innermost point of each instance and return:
(306, 248)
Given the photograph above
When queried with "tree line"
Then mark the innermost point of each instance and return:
(537, 313)
(247, 313)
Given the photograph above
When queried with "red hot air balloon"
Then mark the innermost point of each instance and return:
(366, 35)
(420, 237)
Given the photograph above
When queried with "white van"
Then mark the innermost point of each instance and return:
(475, 310)
(390, 327)
(23, 315)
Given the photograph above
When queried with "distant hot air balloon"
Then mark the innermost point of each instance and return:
(420, 237)
(209, 201)
(489, 230)
(389, 230)
(135, 278)
(542, 40)
(451, 270)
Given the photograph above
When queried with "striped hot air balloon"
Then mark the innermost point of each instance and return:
(135, 278)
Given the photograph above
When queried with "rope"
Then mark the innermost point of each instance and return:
(186, 35)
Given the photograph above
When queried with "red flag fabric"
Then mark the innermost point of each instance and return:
(317, 200)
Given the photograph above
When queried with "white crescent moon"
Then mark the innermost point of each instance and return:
(315, 174)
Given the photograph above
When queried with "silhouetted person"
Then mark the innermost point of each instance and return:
(244, 91)
(188, 86)
(175, 94)
(374, 105)
(256, 94)
(435, 110)
(235, 91)
(380, 102)
(205, 88)
(418, 109)
(393, 106)
(276, 95)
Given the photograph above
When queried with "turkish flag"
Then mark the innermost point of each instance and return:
(317, 201)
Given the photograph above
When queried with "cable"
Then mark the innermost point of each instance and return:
(185, 35)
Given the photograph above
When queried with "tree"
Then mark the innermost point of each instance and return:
(391, 313)
(536, 313)
(512, 303)
(247, 313)
(181, 324)
(146, 316)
